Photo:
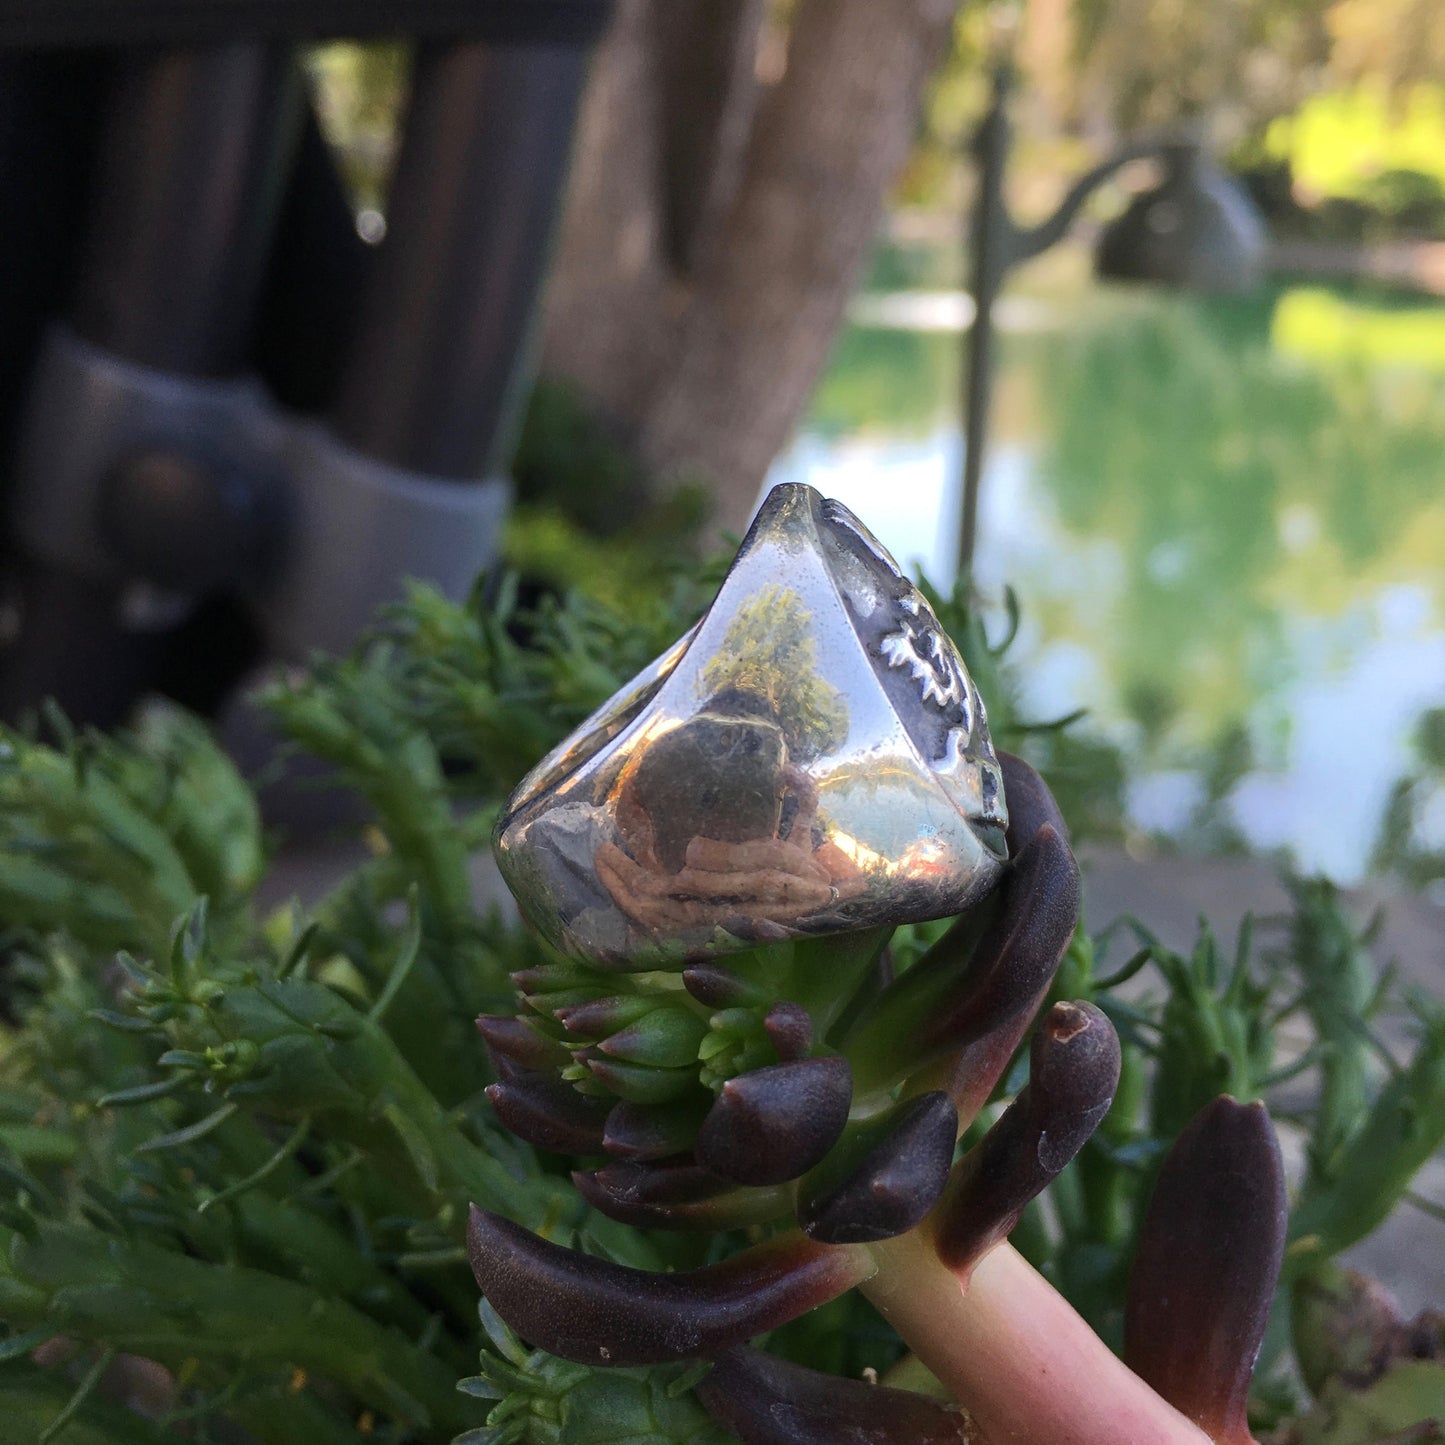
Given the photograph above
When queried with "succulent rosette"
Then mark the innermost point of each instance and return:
(724, 1041)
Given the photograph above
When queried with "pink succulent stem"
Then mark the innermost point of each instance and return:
(1015, 1353)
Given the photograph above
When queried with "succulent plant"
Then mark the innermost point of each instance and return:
(836, 1133)
(239, 1141)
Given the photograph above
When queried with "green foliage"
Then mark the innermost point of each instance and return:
(113, 838)
(587, 517)
(1404, 1407)
(359, 92)
(239, 1143)
(488, 687)
(1347, 91)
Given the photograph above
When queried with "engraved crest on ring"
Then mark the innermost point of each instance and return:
(936, 667)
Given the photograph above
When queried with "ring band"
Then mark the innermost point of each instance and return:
(812, 757)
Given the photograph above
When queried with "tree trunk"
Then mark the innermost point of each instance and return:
(716, 228)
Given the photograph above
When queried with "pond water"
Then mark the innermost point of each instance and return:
(1225, 524)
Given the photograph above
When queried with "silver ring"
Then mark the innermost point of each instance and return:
(811, 758)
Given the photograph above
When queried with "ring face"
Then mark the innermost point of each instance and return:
(811, 758)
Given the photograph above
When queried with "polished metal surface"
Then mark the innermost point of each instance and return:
(811, 758)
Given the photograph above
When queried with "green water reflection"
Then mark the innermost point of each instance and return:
(1226, 523)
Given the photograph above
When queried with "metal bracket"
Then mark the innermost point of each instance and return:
(191, 483)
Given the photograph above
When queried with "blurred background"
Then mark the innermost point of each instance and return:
(1218, 507)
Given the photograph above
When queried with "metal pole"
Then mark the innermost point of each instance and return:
(438, 362)
(190, 164)
(407, 478)
(190, 176)
(992, 230)
(48, 118)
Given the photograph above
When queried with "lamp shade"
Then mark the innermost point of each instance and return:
(1197, 230)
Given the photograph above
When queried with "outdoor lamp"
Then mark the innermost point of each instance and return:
(1197, 229)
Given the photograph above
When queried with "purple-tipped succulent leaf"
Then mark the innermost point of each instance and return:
(1030, 804)
(1024, 958)
(552, 981)
(595, 1018)
(970, 1075)
(675, 1195)
(549, 1113)
(664, 1038)
(954, 1019)
(776, 1123)
(638, 1083)
(1073, 1072)
(1036, 910)
(599, 1313)
(789, 1028)
(651, 1131)
(895, 1183)
(1208, 1260)
(767, 1401)
(511, 1040)
(718, 986)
